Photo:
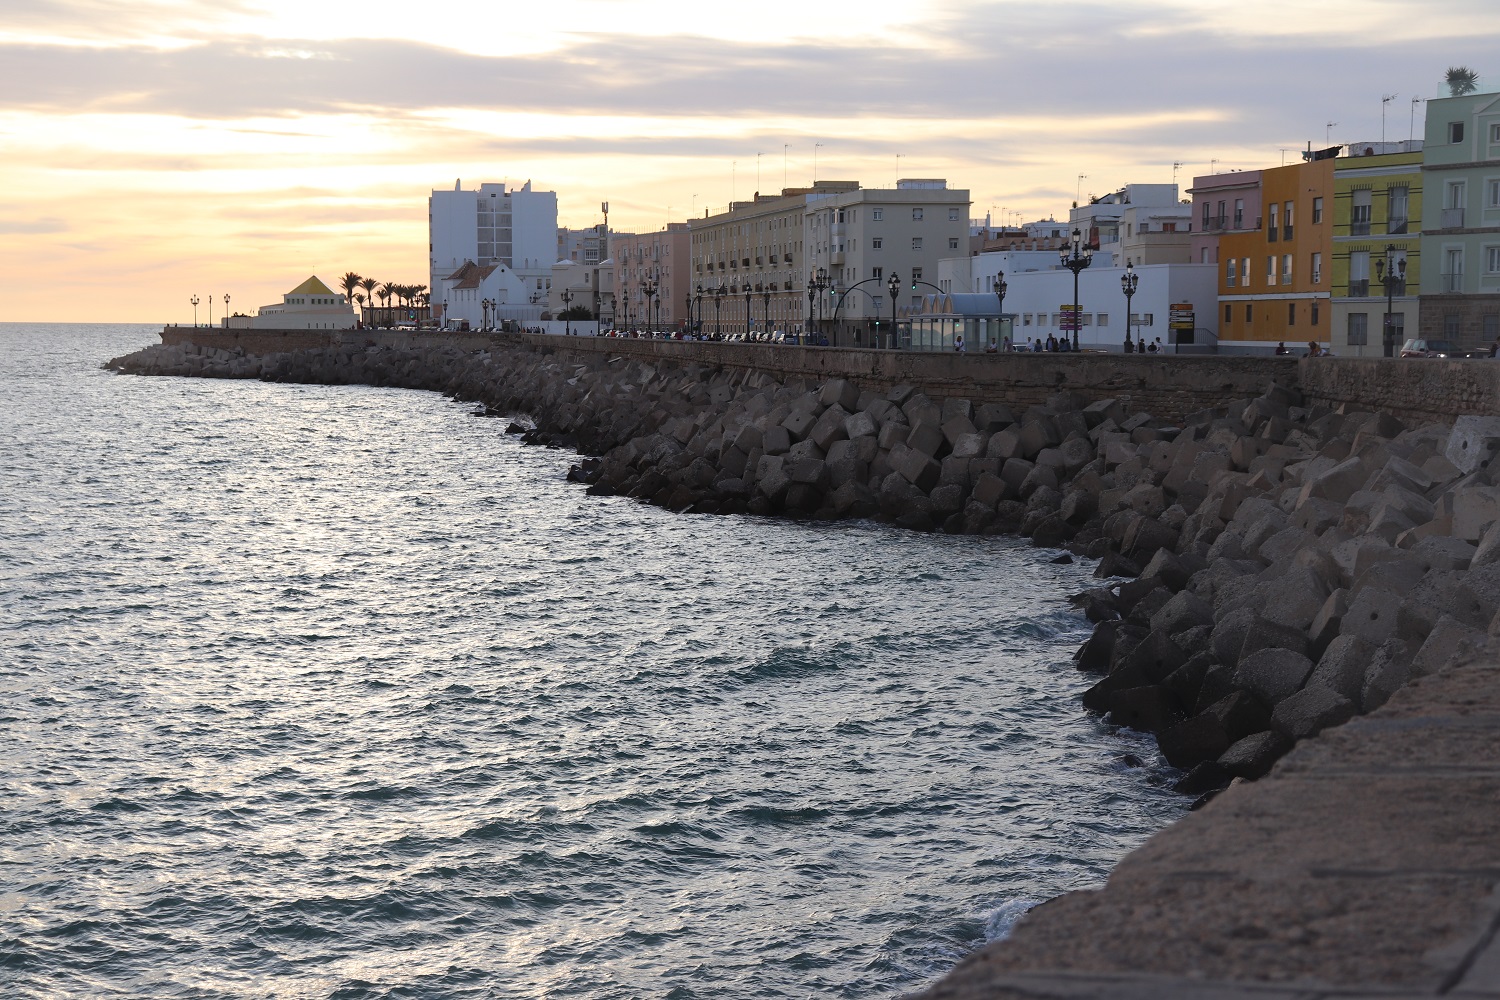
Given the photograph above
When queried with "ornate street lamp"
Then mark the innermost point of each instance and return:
(1128, 281)
(226, 310)
(894, 284)
(999, 287)
(650, 287)
(816, 283)
(484, 314)
(567, 296)
(766, 296)
(699, 300)
(1391, 271)
(748, 324)
(210, 308)
(719, 294)
(1075, 257)
(195, 300)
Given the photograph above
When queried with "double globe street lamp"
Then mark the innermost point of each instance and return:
(999, 286)
(1128, 281)
(893, 284)
(1391, 272)
(651, 288)
(195, 300)
(1075, 256)
(719, 294)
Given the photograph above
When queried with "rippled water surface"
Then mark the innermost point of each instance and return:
(340, 692)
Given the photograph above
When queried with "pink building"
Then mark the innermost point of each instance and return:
(663, 257)
(1222, 203)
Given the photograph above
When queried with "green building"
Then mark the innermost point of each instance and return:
(1460, 286)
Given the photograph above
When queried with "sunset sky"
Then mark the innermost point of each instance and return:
(154, 149)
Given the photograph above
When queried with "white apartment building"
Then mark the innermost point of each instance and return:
(1034, 302)
(863, 237)
(512, 227)
(1102, 221)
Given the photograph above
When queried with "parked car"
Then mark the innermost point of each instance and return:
(1419, 348)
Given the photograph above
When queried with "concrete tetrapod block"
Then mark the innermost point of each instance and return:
(776, 440)
(892, 434)
(1004, 445)
(916, 468)
(829, 427)
(1474, 441)
(1253, 756)
(1372, 615)
(1310, 711)
(839, 392)
(1337, 484)
(798, 424)
(860, 425)
(1342, 668)
(1450, 639)
(1273, 674)
(1475, 508)
(969, 445)
(989, 490)
(927, 438)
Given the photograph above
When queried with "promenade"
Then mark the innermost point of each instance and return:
(1367, 864)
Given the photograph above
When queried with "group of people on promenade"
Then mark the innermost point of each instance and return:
(1053, 344)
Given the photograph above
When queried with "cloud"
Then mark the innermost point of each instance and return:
(49, 224)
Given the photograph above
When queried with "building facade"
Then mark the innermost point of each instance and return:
(481, 296)
(661, 260)
(513, 227)
(312, 305)
(1377, 224)
(1460, 241)
(1222, 203)
(1275, 281)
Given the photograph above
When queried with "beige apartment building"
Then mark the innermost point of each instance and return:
(658, 262)
(817, 260)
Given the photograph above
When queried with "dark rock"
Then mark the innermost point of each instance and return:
(1207, 776)
(1096, 654)
(1252, 756)
(1240, 713)
(1190, 743)
(1063, 560)
(1149, 709)
(1310, 711)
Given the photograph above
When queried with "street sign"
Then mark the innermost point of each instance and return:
(1181, 316)
(1069, 318)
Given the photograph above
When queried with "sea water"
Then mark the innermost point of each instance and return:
(313, 691)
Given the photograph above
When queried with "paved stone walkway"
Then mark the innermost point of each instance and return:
(1367, 864)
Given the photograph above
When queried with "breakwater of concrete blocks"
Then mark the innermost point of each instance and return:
(1269, 566)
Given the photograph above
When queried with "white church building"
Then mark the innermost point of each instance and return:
(312, 305)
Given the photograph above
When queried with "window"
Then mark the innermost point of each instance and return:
(1245, 270)
(1317, 268)
(876, 243)
(916, 274)
(841, 215)
(1291, 314)
(1397, 201)
(952, 215)
(1205, 217)
(1239, 213)
(1274, 222)
(1491, 326)
(1286, 269)
(1492, 196)
(1359, 273)
(1453, 270)
(1286, 215)
(1495, 132)
(1359, 213)
(953, 243)
(1315, 312)
(1455, 131)
(1247, 312)
(1270, 270)
(1228, 313)
(1103, 319)
(1148, 319)
(916, 242)
(1453, 196)
(1450, 325)
(916, 215)
(877, 272)
(1229, 275)
(1359, 329)
(1492, 260)
(1317, 211)
(876, 214)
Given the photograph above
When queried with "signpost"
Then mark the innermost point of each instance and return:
(1182, 321)
(1069, 318)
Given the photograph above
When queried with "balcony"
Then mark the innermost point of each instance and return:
(1453, 282)
(1359, 228)
(1286, 232)
(1359, 289)
(1397, 227)
(1453, 218)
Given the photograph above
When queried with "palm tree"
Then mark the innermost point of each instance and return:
(349, 282)
(1461, 80)
(369, 285)
(386, 291)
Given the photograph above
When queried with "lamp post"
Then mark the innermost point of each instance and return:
(748, 324)
(1075, 257)
(210, 309)
(719, 294)
(894, 284)
(226, 310)
(699, 301)
(999, 287)
(567, 296)
(195, 300)
(1128, 281)
(765, 295)
(816, 282)
(484, 313)
(1391, 270)
(650, 287)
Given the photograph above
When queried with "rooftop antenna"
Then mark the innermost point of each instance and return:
(734, 182)
(1283, 155)
(1174, 173)
(1078, 194)
(784, 148)
(1213, 166)
(816, 146)
(898, 168)
(1411, 132)
(757, 173)
(1328, 133)
(1384, 100)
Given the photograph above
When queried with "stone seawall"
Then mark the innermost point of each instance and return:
(1166, 386)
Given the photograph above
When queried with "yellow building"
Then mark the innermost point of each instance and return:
(1377, 223)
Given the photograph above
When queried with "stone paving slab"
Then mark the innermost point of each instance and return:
(1366, 864)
